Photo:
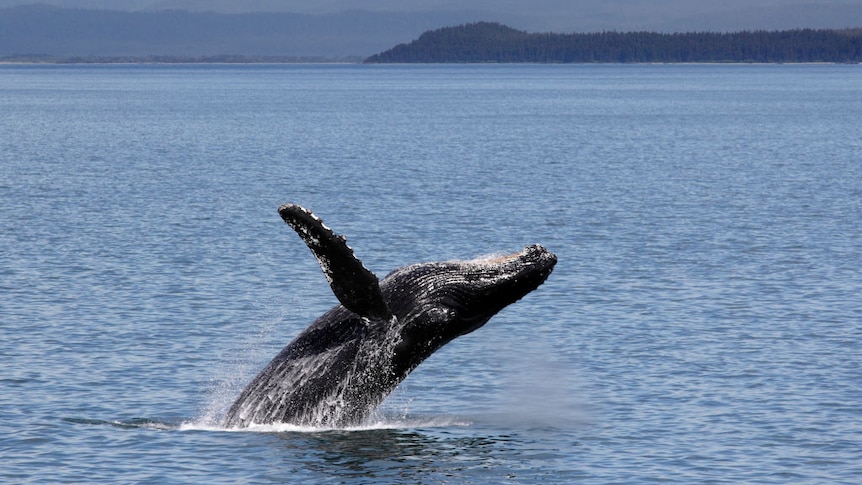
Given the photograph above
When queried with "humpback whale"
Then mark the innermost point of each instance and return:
(336, 371)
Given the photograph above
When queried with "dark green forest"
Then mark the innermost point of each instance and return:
(493, 42)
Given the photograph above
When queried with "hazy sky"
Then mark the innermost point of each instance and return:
(552, 15)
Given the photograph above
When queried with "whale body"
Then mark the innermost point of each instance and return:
(336, 372)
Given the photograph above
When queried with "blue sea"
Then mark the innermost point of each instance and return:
(703, 324)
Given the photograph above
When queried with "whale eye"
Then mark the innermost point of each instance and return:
(445, 309)
(449, 302)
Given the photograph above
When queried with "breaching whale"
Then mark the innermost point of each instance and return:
(335, 372)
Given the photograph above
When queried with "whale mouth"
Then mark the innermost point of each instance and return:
(534, 252)
(497, 258)
(533, 260)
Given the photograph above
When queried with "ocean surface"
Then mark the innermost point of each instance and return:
(703, 324)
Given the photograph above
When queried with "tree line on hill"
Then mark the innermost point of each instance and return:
(493, 42)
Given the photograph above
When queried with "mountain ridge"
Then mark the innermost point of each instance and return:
(489, 42)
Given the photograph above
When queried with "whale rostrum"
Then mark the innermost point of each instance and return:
(336, 371)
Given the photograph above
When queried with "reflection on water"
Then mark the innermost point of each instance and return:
(487, 453)
(418, 455)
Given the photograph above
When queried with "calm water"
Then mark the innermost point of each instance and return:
(704, 323)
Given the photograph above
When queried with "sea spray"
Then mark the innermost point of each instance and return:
(229, 378)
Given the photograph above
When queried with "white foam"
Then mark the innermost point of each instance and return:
(375, 424)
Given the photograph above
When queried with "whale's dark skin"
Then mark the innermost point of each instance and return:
(340, 368)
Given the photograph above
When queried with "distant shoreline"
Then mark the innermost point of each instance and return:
(492, 42)
(169, 60)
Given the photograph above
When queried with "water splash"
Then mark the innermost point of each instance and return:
(540, 388)
(394, 416)
(229, 379)
(333, 412)
(378, 423)
(356, 390)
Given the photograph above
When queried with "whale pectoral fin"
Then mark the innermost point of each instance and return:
(353, 284)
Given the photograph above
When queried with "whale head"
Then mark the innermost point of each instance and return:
(437, 302)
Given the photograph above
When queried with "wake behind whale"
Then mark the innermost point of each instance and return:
(338, 370)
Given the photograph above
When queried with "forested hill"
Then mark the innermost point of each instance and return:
(492, 42)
